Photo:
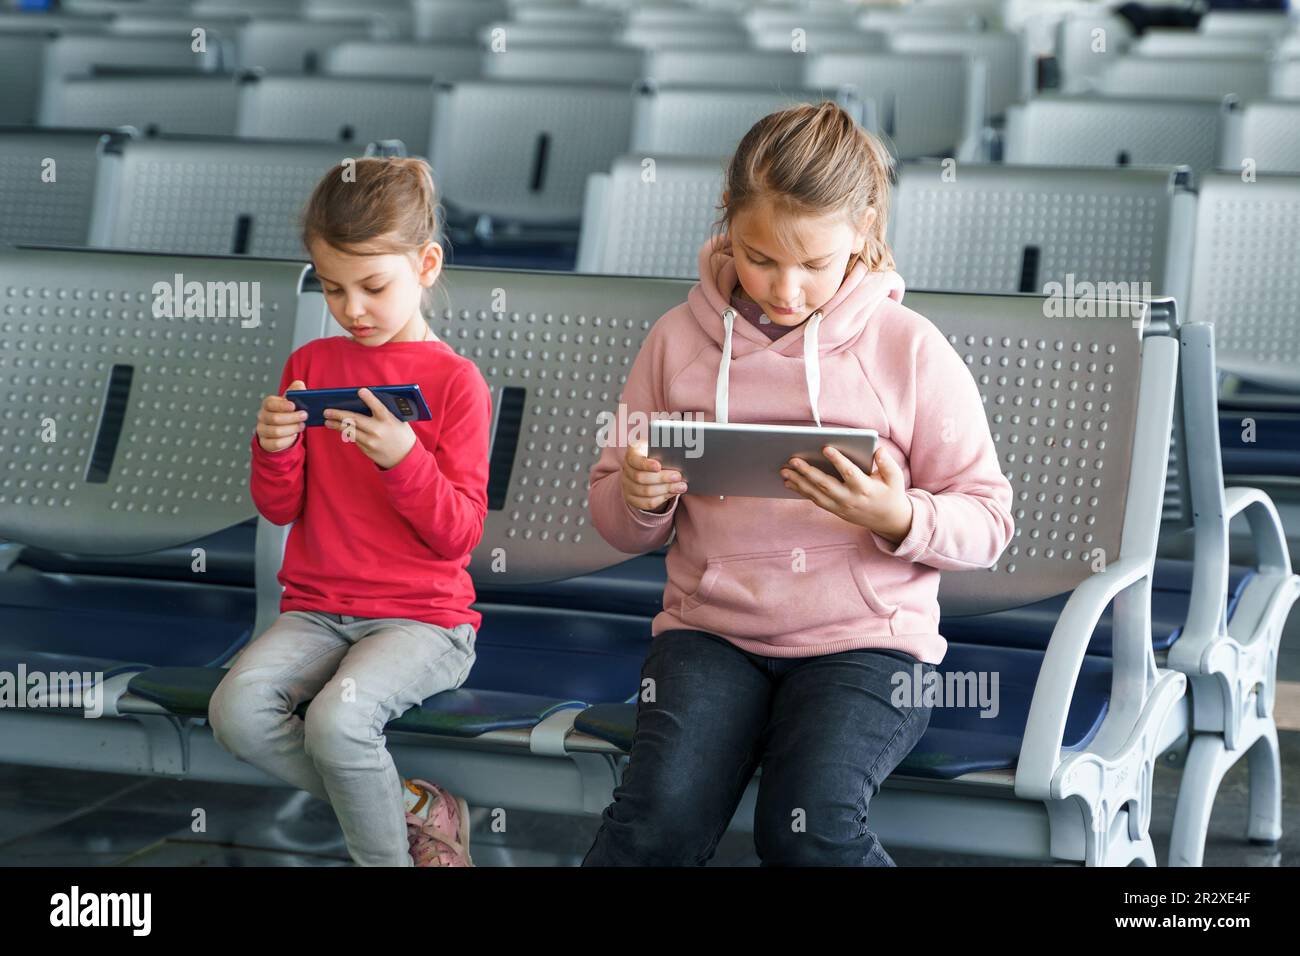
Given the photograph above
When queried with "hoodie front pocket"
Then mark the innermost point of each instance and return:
(769, 593)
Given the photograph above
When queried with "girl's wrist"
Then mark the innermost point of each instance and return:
(899, 526)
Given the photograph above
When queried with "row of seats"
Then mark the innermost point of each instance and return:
(1063, 772)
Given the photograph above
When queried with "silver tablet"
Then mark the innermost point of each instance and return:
(746, 460)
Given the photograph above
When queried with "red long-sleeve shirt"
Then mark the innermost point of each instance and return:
(375, 543)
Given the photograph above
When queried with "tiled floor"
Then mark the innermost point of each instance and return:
(63, 817)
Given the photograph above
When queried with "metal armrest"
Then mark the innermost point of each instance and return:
(1040, 752)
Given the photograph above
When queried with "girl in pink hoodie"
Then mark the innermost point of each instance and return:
(785, 621)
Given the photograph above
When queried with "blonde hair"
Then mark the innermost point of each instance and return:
(813, 160)
(375, 206)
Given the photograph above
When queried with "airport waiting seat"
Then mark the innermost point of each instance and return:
(455, 19)
(971, 16)
(1010, 76)
(21, 63)
(655, 27)
(293, 45)
(671, 119)
(592, 63)
(1113, 233)
(83, 54)
(521, 151)
(1263, 136)
(1245, 271)
(1087, 40)
(410, 59)
(926, 104)
(190, 103)
(1227, 23)
(1285, 80)
(349, 109)
(206, 195)
(45, 204)
(506, 35)
(809, 31)
(649, 215)
(567, 15)
(1115, 131)
(741, 69)
(1027, 784)
(1245, 77)
(1184, 43)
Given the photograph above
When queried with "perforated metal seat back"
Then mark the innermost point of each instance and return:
(506, 35)
(197, 105)
(292, 46)
(1114, 131)
(78, 54)
(455, 19)
(137, 406)
(350, 109)
(1008, 80)
(810, 31)
(592, 63)
(710, 121)
(704, 38)
(208, 196)
(447, 62)
(1244, 23)
(921, 99)
(651, 217)
(743, 69)
(523, 150)
(1060, 395)
(1285, 80)
(21, 57)
(1004, 229)
(1263, 136)
(1181, 77)
(44, 203)
(1246, 274)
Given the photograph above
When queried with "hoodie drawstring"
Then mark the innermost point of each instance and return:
(812, 369)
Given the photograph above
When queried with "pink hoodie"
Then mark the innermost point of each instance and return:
(783, 577)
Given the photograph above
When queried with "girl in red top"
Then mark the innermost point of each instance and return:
(375, 615)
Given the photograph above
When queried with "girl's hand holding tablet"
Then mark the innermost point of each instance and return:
(877, 502)
(382, 437)
(645, 484)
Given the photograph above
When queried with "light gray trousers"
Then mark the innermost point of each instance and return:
(359, 674)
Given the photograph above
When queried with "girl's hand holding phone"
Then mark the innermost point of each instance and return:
(279, 422)
(645, 484)
(877, 502)
(382, 437)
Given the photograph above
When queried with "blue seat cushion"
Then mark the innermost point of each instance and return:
(1031, 626)
(958, 740)
(152, 622)
(1275, 449)
(559, 652)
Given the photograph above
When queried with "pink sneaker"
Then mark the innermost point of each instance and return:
(441, 838)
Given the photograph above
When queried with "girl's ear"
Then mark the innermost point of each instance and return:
(868, 221)
(429, 263)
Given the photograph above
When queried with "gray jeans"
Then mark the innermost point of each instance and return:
(359, 673)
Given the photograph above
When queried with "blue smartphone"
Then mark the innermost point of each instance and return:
(404, 401)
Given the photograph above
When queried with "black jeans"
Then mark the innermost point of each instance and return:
(824, 730)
